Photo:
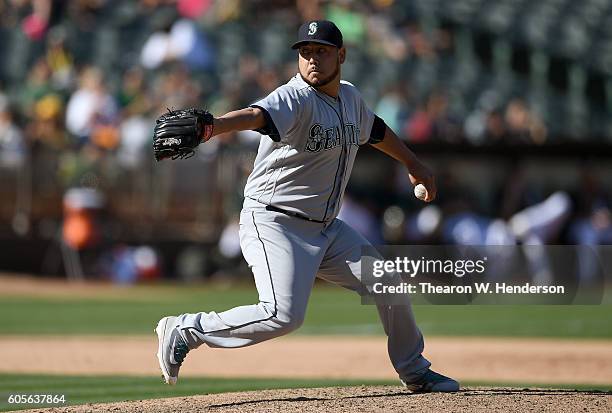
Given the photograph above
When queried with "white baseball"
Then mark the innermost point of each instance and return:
(420, 192)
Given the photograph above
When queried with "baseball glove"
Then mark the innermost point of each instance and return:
(178, 132)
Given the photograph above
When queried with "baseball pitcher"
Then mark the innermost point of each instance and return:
(312, 128)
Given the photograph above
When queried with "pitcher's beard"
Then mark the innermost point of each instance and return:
(325, 81)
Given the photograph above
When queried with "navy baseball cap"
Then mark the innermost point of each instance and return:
(319, 31)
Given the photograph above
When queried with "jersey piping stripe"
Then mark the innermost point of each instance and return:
(267, 263)
(274, 313)
(341, 154)
(280, 171)
(273, 128)
(270, 174)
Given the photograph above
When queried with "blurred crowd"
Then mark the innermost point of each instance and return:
(96, 72)
(82, 81)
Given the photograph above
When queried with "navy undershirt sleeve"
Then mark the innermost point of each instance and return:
(269, 128)
(379, 127)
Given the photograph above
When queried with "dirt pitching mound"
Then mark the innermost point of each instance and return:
(367, 399)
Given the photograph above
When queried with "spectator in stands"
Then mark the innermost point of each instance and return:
(12, 145)
(60, 60)
(136, 119)
(92, 112)
(394, 106)
(485, 124)
(433, 121)
(523, 125)
(176, 89)
(46, 126)
(181, 41)
(35, 25)
(37, 85)
(133, 98)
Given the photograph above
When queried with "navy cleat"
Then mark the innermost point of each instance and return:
(432, 382)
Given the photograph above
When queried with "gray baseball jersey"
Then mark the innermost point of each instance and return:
(302, 168)
(306, 164)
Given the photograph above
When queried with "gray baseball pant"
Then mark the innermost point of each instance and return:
(286, 254)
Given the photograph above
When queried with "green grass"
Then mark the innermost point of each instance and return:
(331, 311)
(96, 389)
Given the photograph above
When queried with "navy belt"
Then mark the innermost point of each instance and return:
(292, 214)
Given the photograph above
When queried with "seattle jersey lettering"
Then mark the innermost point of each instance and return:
(329, 138)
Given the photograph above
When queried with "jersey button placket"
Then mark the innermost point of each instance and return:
(343, 157)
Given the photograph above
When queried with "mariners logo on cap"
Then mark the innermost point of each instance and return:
(312, 28)
(318, 31)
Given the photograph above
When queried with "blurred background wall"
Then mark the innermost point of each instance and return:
(510, 101)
